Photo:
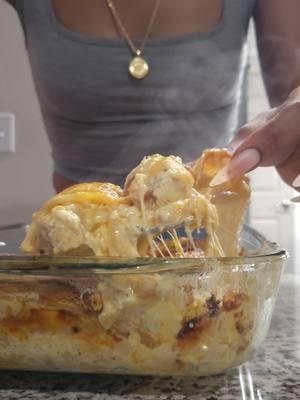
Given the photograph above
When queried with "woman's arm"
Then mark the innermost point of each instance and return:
(273, 137)
(278, 38)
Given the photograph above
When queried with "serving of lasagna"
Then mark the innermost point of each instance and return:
(183, 319)
(160, 196)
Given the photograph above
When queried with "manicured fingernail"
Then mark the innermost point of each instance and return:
(296, 181)
(238, 166)
(232, 146)
(243, 163)
(221, 177)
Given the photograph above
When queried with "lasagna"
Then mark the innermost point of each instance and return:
(160, 198)
(189, 320)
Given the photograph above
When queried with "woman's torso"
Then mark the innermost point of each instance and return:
(100, 121)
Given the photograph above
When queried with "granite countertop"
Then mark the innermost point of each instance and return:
(274, 374)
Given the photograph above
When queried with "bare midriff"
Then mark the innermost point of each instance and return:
(61, 183)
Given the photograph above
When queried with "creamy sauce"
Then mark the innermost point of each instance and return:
(160, 195)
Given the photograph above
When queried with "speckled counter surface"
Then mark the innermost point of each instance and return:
(274, 374)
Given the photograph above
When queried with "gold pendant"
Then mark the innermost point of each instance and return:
(138, 68)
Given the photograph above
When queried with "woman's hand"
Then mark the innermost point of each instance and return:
(271, 139)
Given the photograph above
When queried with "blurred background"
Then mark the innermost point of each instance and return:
(25, 173)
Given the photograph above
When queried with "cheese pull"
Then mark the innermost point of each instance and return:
(231, 198)
(160, 195)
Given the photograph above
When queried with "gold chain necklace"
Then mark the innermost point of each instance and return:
(138, 67)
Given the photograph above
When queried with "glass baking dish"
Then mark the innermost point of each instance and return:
(142, 316)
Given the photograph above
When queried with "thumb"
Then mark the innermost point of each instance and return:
(271, 144)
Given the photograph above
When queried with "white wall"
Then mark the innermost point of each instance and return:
(25, 180)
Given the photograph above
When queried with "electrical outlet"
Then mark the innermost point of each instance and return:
(7, 133)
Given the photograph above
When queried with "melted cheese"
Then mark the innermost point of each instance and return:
(160, 194)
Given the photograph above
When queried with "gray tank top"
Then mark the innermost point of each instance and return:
(101, 122)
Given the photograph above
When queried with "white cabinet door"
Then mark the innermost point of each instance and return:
(272, 213)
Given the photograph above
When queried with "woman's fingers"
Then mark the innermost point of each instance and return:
(252, 126)
(277, 139)
(244, 162)
(290, 170)
(238, 166)
(272, 138)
